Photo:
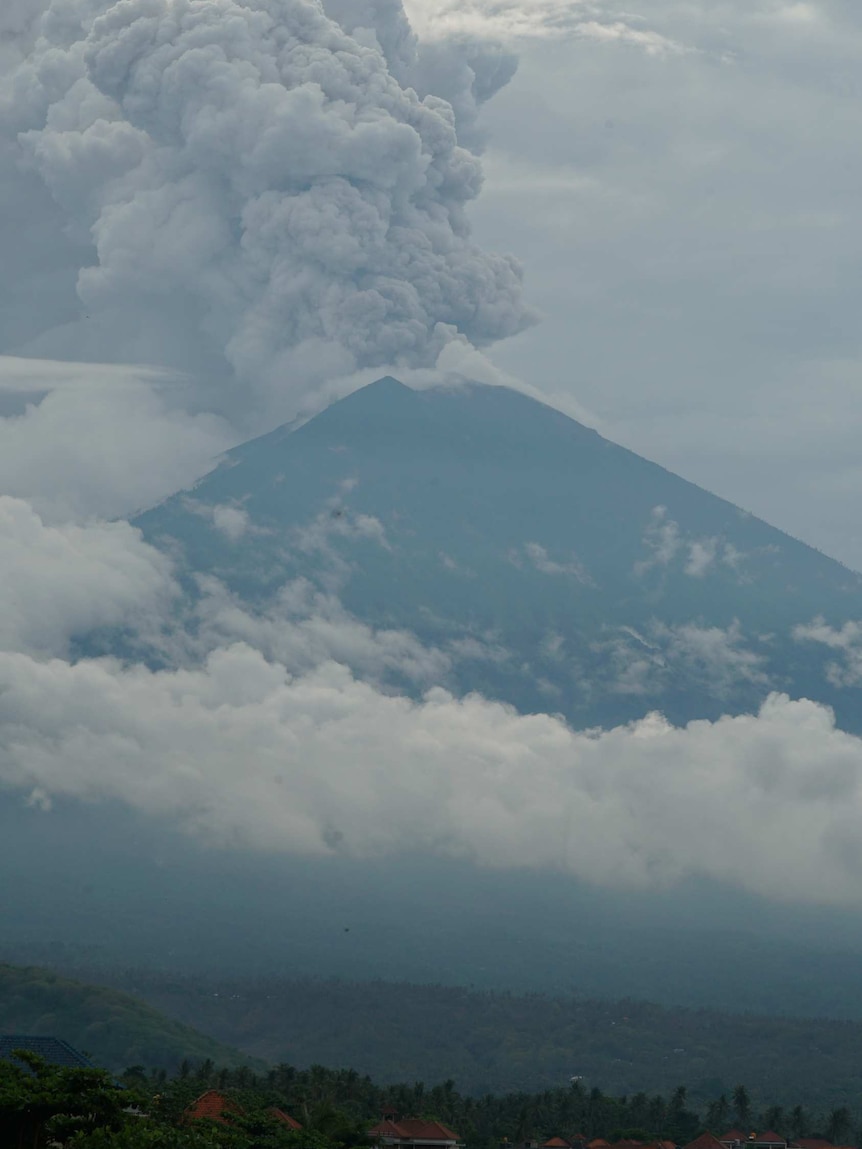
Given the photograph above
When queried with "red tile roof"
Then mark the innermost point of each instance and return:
(413, 1129)
(734, 1135)
(419, 1130)
(280, 1115)
(211, 1106)
(557, 1143)
(705, 1141)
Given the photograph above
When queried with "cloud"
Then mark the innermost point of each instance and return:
(518, 20)
(845, 640)
(665, 540)
(264, 201)
(305, 627)
(649, 661)
(241, 752)
(98, 440)
(58, 582)
(544, 564)
(662, 540)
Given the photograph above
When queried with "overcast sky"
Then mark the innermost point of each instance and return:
(682, 183)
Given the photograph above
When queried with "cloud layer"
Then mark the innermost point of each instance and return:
(243, 753)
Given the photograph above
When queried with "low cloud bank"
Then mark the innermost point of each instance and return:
(243, 753)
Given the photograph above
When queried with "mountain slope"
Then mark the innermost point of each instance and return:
(117, 1030)
(548, 566)
(501, 1042)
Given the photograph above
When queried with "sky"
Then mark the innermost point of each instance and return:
(681, 182)
(216, 215)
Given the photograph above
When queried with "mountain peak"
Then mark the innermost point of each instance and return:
(581, 576)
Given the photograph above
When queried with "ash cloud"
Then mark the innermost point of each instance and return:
(266, 200)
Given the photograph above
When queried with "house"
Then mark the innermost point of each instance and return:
(53, 1050)
(284, 1118)
(768, 1140)
(215, 1106)
(211, 1106)
(732, 1138)
(414, 1133)
(706, 1141)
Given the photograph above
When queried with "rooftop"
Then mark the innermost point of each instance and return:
(52, 1049)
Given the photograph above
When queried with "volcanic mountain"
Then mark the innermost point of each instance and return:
(535, 561)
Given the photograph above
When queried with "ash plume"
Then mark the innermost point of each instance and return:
(266, 199)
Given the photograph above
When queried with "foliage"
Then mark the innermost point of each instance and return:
(501, 1042)
(115, 1028)
(86, 1109)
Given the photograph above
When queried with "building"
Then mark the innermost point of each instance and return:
(218, 1107)
(706, 1141)
(52, 1050)
(211, 1106)
(732, 1138)
(414, 1133)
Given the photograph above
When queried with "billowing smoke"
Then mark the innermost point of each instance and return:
(265, 197)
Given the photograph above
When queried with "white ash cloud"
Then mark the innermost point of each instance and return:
(264, 201)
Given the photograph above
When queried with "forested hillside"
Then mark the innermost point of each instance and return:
(115, 1029)
(496, 1042)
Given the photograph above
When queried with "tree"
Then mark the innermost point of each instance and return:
(838, 1124)
(41, 1103)
(774, 1118)
(716, 1115)
(742, 1106)
(798, 1121)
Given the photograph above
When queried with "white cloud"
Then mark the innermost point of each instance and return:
(233, 522)
(100, 440)
(242, 753)
(305, 627)
(713, 654)
(846, 640)
(662, 540)
(56, 582)
(701, 556)
(519, 20)
(646, 662)
(544, 564)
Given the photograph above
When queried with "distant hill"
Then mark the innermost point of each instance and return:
(550, 567)
(114, 1028)
(495, 1042)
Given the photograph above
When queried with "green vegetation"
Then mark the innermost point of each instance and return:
(497, 1042)
(115, 1028)
(86, 1109)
